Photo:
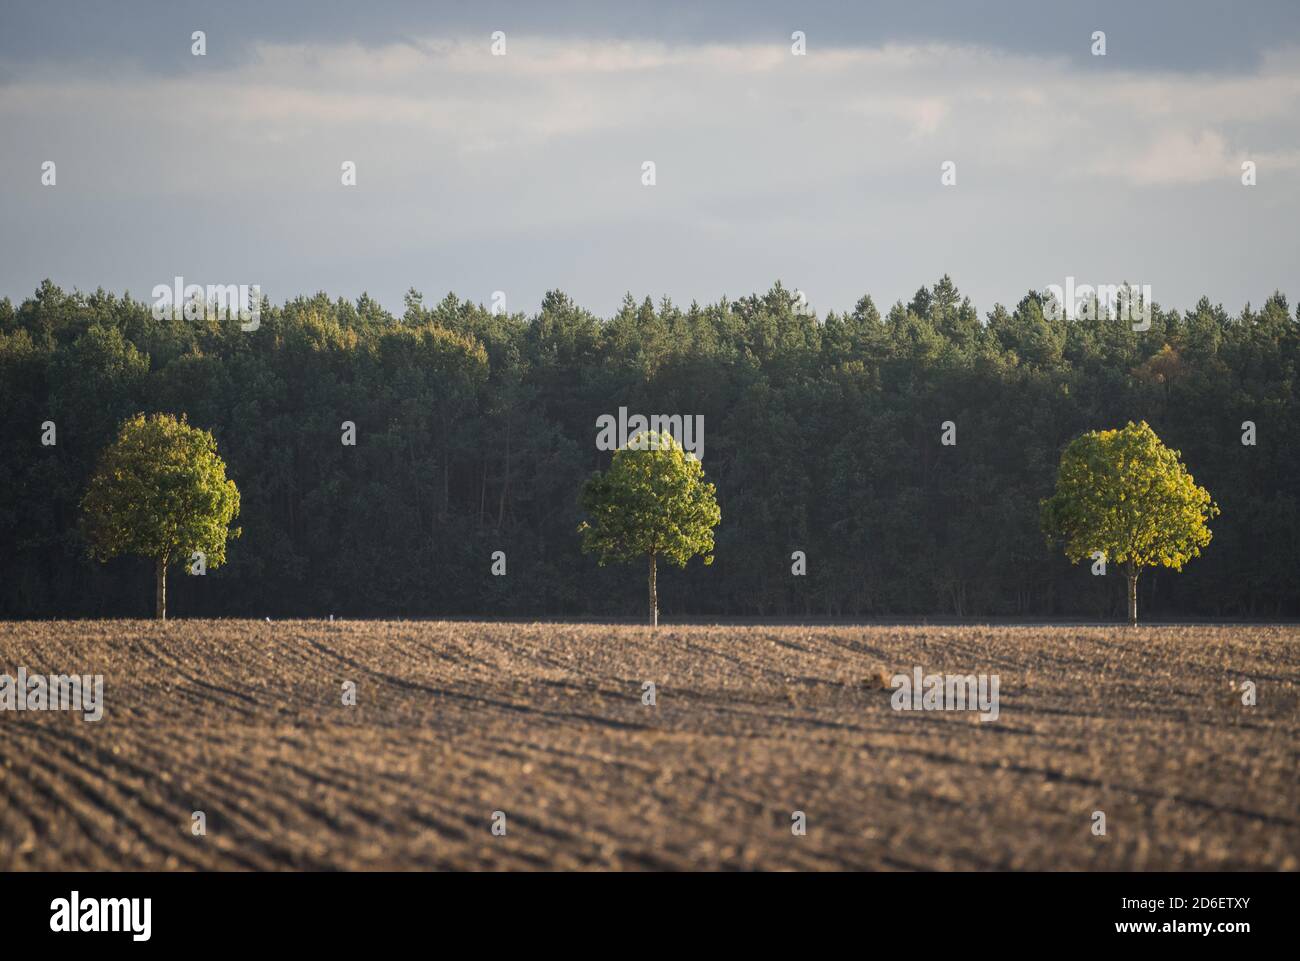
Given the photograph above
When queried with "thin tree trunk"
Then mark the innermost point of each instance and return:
(160, 589)
(482, 495)
(505, 484)
(654, 595)
(1132, 597)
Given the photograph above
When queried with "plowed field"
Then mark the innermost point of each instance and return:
(245, 722)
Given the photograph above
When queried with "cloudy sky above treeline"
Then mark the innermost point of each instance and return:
(523, 173)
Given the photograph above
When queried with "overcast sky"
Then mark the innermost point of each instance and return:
(523, 172)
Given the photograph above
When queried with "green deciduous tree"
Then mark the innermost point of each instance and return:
(160, 490)
(1127, 495)
(652, 502)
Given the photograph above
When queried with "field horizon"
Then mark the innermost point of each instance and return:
(682, 621)
(546, 723)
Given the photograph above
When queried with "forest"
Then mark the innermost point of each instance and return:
(475, 430)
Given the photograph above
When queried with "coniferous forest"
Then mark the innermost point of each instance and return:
(475, 431)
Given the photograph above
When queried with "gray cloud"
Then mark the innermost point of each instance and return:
(522, 173)
(1185, 35)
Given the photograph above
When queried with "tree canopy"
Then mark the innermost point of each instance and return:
(160, 490)
(652, 502)
(1125, 494)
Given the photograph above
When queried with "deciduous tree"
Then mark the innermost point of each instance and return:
(161, 491)
(1126, 494)
(652, 502)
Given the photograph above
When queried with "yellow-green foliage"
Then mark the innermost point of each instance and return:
(1126, 494)
(160, 490)
(652, 501)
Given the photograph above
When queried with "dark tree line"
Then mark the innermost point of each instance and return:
(475, 432)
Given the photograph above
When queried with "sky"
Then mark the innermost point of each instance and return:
(523, 172)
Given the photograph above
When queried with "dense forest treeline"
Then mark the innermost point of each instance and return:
(475, 431)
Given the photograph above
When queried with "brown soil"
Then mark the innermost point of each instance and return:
(244, 721)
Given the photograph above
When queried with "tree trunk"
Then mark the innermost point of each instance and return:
(1132, 597)
(160, 589)
(505, 483)
(654, 595)
(482, 495)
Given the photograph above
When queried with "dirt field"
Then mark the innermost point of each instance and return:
(244, 721)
